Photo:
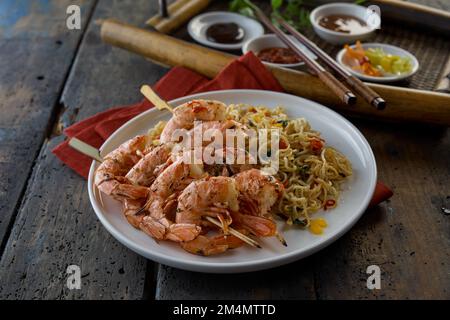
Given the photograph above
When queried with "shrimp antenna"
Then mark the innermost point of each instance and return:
(151, 95)
(281, 239)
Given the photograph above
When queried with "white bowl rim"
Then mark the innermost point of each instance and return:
(314, 13)
(406, 53)
(267, 263)
(224, 46)
(265, 36)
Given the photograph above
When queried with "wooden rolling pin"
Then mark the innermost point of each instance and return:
(404, 104)
(179, 12)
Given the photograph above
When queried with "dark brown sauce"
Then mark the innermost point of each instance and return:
(225, 33)
(344, 23)
(279, 55)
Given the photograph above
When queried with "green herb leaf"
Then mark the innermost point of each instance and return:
(290, 10)
(301, 223)
(303, 171)
(248, 12)
(276, 4)
(241, 7)
(284, 123)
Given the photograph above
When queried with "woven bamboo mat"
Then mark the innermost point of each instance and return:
(439, 4)
(431, 49)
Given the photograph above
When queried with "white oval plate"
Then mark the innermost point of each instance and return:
(337, 131)
(388, 49)
(197, 28)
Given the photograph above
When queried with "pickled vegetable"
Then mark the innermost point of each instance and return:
(375, 61)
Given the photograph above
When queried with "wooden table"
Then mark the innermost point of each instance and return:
(52, 77)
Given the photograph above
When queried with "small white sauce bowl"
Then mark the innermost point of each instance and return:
(349, 9)
(388, 49)
(197, 28)
(270, 41)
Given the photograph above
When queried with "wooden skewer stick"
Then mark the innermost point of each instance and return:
(85, 149)
(151, 95)
(235, 233)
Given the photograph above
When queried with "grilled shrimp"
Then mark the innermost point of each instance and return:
(147, 169)
(162, 203)
(234, 160)
(206, 246)
(110, 175)
(211, 131)
(212, 196)
(257, 194)
(172, 180)
(215, 197)
(185, 115)
(131, 210)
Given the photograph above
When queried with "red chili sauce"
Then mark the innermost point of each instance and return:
(279, 55)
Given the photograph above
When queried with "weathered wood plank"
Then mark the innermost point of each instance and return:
(407, 237)
(56, 225)
(57, 228)
(294, 281)
(36, 51)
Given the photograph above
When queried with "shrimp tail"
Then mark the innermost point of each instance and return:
(262, 227)
(205, 246)
(163, 229)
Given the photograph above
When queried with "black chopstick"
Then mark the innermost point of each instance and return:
(163, 9)
(327, 78)
(360, 87)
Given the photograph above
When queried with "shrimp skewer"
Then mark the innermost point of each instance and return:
(213, 197)
(148, 168)
(133, 213)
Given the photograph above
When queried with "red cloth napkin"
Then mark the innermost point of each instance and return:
(247, 72)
